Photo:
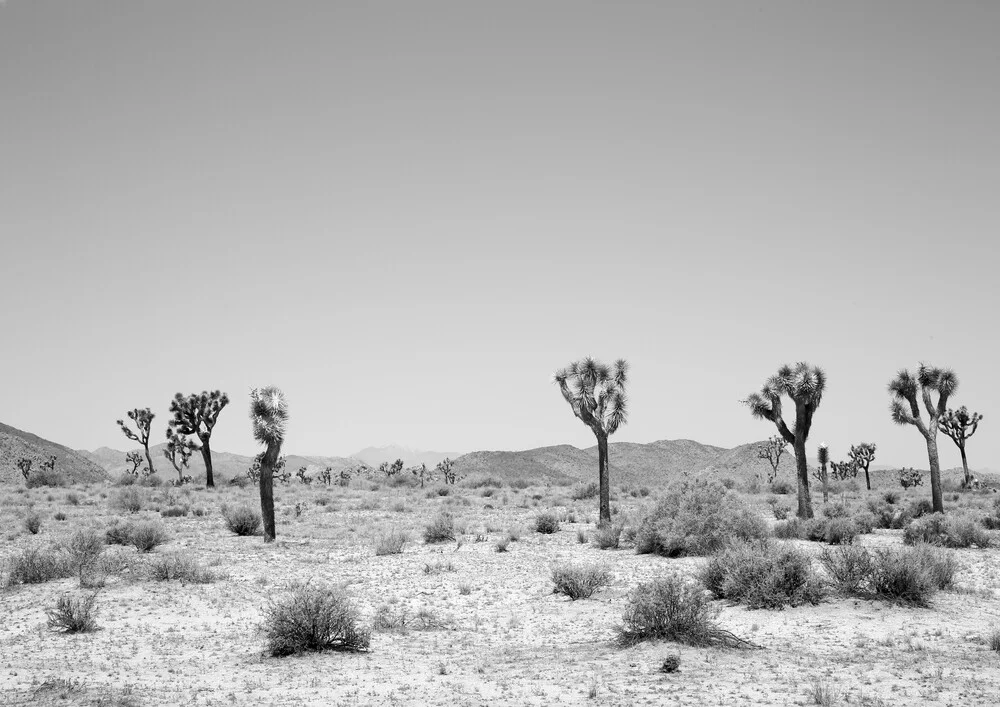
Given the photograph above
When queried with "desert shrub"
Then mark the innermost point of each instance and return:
(45, 477)
(118, 533)
(840, 531)
(313, 618)
(908, 575)
(781, 510)
(697, 517)
(864, 521)
(73, 499)
(762, 575)
(153, 481)
(33, 522)
(147, 535)
(175, 565)
(73, 615)
(781, 487)
(946, 531)
(890, 497)
(673, 610)
(34, 565)
(583, 492)
(477, 482)
(578, 581)
(920, 507)
(547, 523)
(84, 547)
(790, 529)
(129, 499)
(126, 479)
(993, 641)
(240, 481)
(391, 542)
(814, 529)
(440, 529)
(242, 520)
(608, 536)
(60, 516)
(838, 509)
(175, 511)
(502, 545)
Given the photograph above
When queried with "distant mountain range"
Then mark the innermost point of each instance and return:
(653, 463)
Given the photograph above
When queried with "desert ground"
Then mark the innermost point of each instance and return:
(462, 623)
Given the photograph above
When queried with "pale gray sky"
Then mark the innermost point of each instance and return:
(407, 215)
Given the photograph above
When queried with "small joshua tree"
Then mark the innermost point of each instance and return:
(421, 473)
(135, 459)
(178, 452)
(959, 425)
(143, 420)
(824, 458)
(862, 455)
(391, 469)
(279, 472)
(447, 470)
(804, 385)
(196, 415)
(326, 476)
(905, 388)
(910, 477)
(303, 475)
(269, 415)
(843, 470)
(771, 450)
(24, 464)
(596, 393)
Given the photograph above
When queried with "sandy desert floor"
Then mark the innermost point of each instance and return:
(491, 631)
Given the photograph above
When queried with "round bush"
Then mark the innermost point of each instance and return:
(547, 523)
(242, 520)
(313, 618)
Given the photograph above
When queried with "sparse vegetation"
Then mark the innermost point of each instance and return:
(946, 531)
(907, 576)
(391, 542)
(762, 575)
(242, 520)
(179, 566)
(578, 581)
(147, 535)
(441, 529)
(547, 523)
(73, 615)
(313, 618)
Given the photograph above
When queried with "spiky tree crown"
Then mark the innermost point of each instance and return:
(824, 454)
(596, 392)
(862, 454)
(960, 424)
(143, 420)
(197, 410)
(905, 389)
(802, 383)
(269, 414)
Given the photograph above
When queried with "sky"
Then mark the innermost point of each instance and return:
(408, 215)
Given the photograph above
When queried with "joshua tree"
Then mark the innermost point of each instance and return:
(197, 415)
(862, 455)
(824, 458)
(804, 385)
(269, 414)
(843, 470)
(906, 411)
(391, 469)
(178, 452)
(596, 393)
(446, 468)
(143, 420)
(421, 472)
(960, 425)
(771, 450)
(24, 464)
(135, 459)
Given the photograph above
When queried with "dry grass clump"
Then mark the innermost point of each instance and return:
(906, 576)
(441, 529)
(73, 615)
(242, 520)
(697, 517)
(33, 522)
(608, 536)
(579, 581)
(391, 542)
(147, 535)
(182, 567)
(129, 499)
(672, 610)
(947, 531)
(583, 492)
(762, 575)
(118, 533)
(84, 548)
(547, 523)
(313, 618)
(34, 565)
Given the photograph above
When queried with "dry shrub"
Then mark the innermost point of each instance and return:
(906, 576)
(946, 531)
(391, 542)
(547, 523)
(313, 618)
(175, 565)
(147, 535)
(242, 520)
(578, 581)
(441, 529)
(37, 564)
(762, 575)
(129, 499)
(73, 615)
(608, 536)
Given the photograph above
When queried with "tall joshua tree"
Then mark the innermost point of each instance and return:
(960, 425)
(596, 393)
(804, 385)
(143, 420)
(196, 415)
(862, 455)
(269, 415)
(905, 410)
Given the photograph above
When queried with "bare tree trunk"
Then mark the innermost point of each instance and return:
(802, 469)
(932, 457)
(868, 481)
(605, 482)
(206, 454)
(826, 486)
(965, 466)
(267, 490)
(149, 459)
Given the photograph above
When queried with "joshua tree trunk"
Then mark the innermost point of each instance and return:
(868, 481)
(604, 479)
(932, 457)
(206, 454)
(149, 459)
(267, 490)
(965, 466)
(802, 469)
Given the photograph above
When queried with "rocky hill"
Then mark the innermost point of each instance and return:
(15, 444)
